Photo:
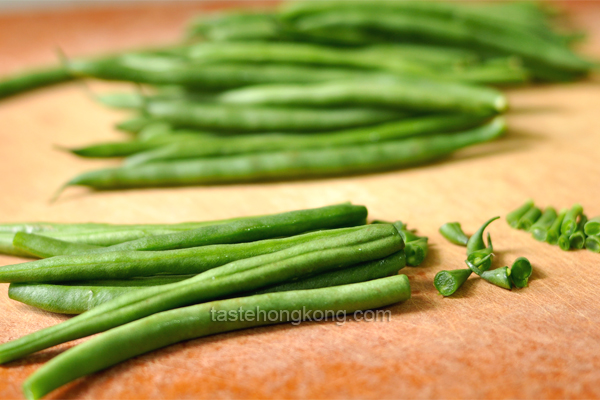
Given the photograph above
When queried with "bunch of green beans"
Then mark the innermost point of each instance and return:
(569, 228)
(254, 257)
(479, 261)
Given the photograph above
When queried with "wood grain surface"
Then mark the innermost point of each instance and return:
(484, 342)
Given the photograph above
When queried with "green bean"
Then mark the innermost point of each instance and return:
(33, 79)
(554, 231)
(577, 238)
(303, 53)
(539, 230)
(514, 216)
(174, 326)
(452, 231)
(43, 247)
(448, 282)
(123, 149)
(592, 226)
(477, 252)
(569, 223)
(409, 93)
(564, 242)
(237, 26)
(291, 164)
(79, 297)
(272, 142)
(71, 299)
(259, 118)
(592, 243)
(499, 277)
(529, 219)
(416, 251)
(136, 124)
(310, 258)
(133, 264)
(520, 271)
(210, 77)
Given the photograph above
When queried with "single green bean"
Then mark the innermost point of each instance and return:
(499, 277)
(592, 226)
(230, 117)
(29, 80)
(514, 216)
(520, 271)
(174, 326)
(539, 230)
(577, 238)
(448, 282)
(530, 218)
(79, 297)
(477, 252)
(43, 247)
(592, 243)
(408, 93)
(304, 53)
(237, 26)
(569, 223)
(554, 231)
(136, 124)
(291, 164)
(310, 258)
(273, 142)
(452, 231)
(212, 77)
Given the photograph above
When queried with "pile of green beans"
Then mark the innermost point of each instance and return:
(328, 258)
(315, 89)
(479, 261)
(569, 228)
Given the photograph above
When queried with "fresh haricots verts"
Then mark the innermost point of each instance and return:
(448, 282)
(592, 226)
(29, 80)
(479, 256)
(313, 257)
(408, 93)
(539, 230)
(530, 218)
(554, 231)
(259, 143)
(81, 296)
(107, 235)
(569, 223)
(514, 216)
(453, 232)
(291, 164)
(520, 271)
(577, 238)
(250, 118)
(162, 329)
(132, 264)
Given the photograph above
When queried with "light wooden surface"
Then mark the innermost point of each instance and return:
(539, 342)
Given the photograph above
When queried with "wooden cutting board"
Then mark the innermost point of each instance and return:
(484, 342)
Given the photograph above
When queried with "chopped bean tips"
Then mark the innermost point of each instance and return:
(539, 230)
(592, 227)
(499, 277)
(448, 282)
(514, 216)
(520, 271)
(569, 223)
(453, 232)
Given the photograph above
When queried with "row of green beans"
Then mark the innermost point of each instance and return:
(570, 228)
(323, 259)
